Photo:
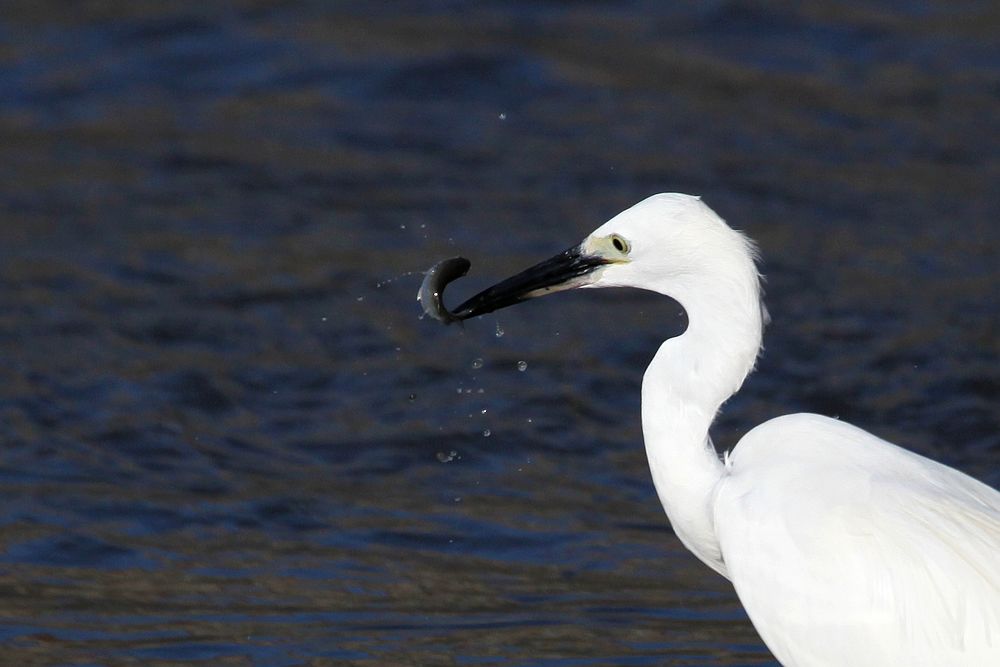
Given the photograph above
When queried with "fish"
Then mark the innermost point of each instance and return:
(432, 289)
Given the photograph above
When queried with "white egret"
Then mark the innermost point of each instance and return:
(843, 548)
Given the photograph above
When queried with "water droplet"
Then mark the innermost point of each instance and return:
(477, 363)
(478, 391)
(483, 411)
(522, 366)
(458, 390)
(502, 116)
(402, 226)
(487, 433)
(499, 331)
(322, 319)
(361, 298)
(413, 397)
(447, 458)
(458, 499)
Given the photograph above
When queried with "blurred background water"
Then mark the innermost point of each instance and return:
(227, 438)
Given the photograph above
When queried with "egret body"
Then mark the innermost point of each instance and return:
(843, 548)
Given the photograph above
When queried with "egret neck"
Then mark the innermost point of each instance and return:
(688, 379)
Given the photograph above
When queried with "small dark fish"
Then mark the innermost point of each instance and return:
(436, 279)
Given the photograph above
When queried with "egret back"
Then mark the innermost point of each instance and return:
(846, 549)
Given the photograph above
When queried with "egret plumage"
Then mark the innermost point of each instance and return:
(843, 548)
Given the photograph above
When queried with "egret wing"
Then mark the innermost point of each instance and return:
(846, 549)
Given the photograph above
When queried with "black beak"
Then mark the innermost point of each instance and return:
(564, 271)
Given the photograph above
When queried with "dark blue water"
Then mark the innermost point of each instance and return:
(227, 438)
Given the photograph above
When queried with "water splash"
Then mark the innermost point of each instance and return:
(447, 457)
(386, 281)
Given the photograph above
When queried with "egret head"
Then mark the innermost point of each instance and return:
(670, 243)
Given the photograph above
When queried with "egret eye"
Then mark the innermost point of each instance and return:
(620, 244)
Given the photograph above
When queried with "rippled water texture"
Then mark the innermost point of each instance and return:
(227, 438)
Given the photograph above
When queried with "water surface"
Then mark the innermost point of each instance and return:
(228, 438)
